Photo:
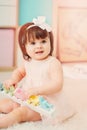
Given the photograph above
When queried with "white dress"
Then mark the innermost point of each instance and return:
(37, 74)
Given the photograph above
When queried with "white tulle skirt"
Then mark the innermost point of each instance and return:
(63, 109)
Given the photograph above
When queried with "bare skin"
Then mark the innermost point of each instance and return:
(16, 113)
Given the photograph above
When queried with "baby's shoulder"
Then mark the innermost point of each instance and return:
(55, 61)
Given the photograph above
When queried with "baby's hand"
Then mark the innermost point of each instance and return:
(8, 83)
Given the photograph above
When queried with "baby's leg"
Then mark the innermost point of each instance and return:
(7, 105)
(21, 114)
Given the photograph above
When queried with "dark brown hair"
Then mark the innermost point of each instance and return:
(34, 32)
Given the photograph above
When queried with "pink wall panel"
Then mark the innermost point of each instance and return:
(6, 47)
(71, 3)
(70, 30)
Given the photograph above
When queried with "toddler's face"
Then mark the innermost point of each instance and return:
(38, 49)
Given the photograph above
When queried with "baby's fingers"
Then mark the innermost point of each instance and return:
(7, 84)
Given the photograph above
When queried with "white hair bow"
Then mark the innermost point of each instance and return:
(40, 21)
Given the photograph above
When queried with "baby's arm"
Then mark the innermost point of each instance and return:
(17, 75)
(53, 84)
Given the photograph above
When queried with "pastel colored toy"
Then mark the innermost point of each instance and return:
(1, 87)
(34, 100)
(44, 103)
(37, 103)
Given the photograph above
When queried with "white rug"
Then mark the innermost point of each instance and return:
(77, 122)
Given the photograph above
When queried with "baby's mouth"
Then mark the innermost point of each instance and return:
(39, 52)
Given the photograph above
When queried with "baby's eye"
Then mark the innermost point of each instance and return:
(44, 41)
(32, 43)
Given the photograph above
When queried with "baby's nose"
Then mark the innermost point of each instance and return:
(38, 45)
